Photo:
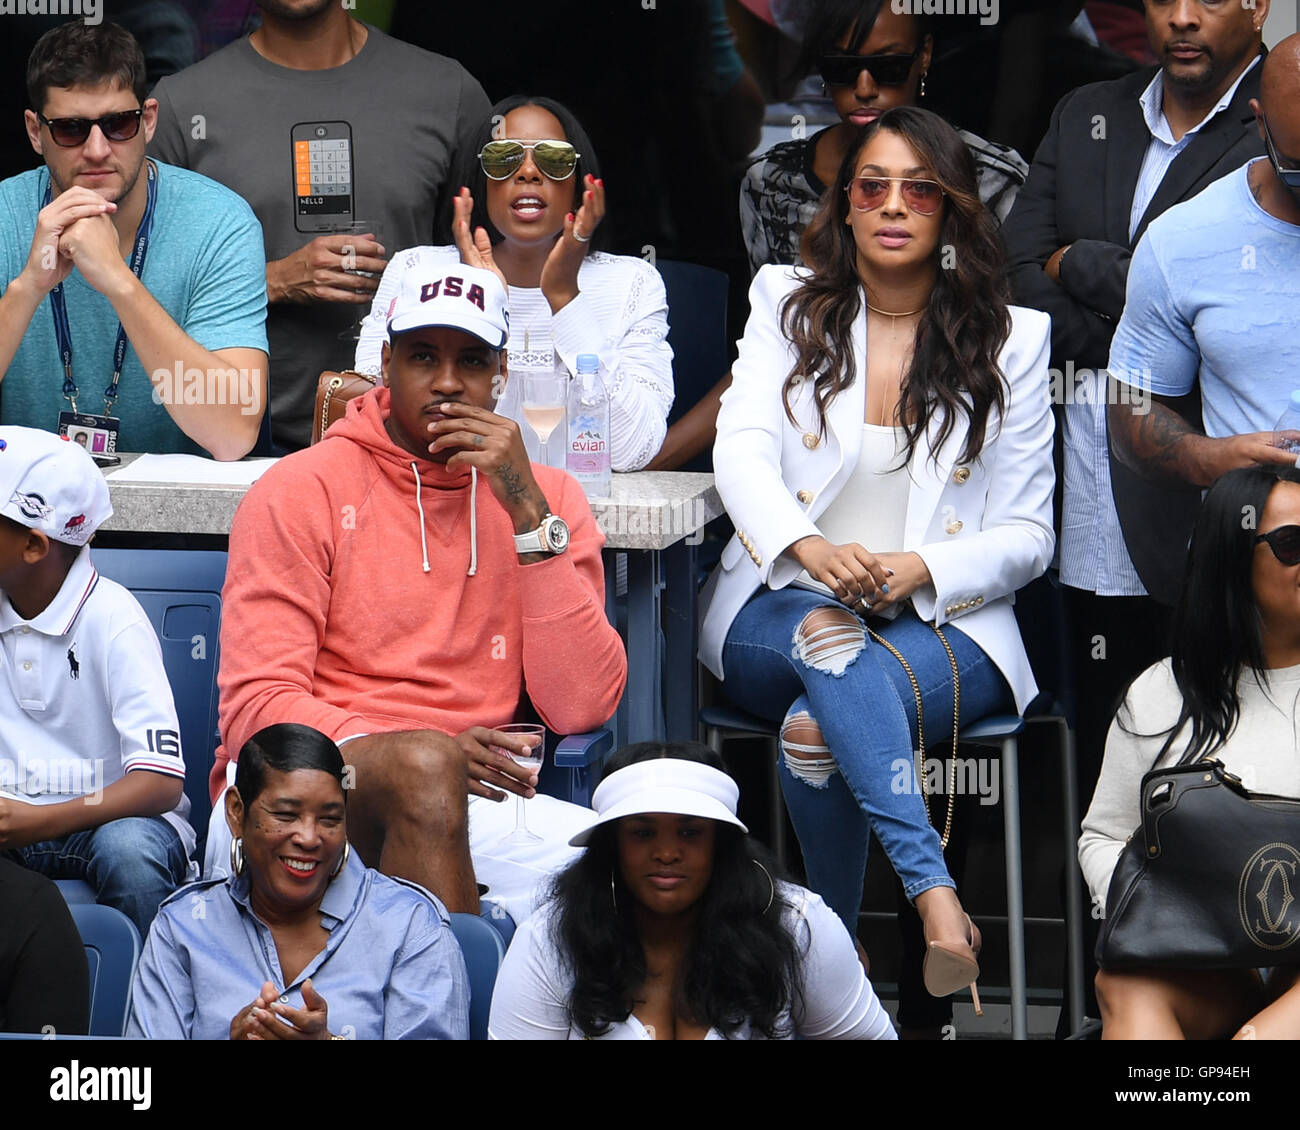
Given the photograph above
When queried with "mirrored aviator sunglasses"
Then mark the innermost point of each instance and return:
(886, 70)
(923, 197)
(502, 159)
(1284, 542)
(69, 132)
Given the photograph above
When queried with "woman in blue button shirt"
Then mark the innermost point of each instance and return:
(304, 941)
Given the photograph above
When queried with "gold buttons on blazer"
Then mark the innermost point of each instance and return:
(963, 606)
(961, 475)
(749, 545)
(978, 601)
(805, 496)
(953, 527)
(810, 440)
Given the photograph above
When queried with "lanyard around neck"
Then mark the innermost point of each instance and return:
(59, 305)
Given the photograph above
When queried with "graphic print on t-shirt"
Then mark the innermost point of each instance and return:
(322, 172)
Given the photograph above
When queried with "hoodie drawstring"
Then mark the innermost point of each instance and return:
(424, 545)
(473, 520)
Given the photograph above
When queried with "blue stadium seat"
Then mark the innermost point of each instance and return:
(112, 951)
(180, 592)
(484, 951)
(697, 332)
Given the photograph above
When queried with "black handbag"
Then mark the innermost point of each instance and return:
(1211, 879)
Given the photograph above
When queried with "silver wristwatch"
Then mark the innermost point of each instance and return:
(552, 536)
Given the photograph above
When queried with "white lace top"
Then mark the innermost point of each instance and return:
(620, 314)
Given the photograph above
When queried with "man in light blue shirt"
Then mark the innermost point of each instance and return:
(99, 239)
(1213, 290)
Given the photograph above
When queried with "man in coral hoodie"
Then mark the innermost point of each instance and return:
(403, 584)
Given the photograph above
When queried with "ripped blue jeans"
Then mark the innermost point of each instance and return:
(802, 658)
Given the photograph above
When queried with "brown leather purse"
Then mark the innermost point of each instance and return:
(333, 391)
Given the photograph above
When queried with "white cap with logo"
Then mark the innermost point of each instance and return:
(51, 484)
(456, 297)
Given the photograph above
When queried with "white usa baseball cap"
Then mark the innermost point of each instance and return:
(455, 297)
(51, 484)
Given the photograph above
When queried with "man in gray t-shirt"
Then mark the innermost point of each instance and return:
(317, 131)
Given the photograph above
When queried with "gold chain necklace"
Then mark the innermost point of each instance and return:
(893, 322)
(892, 314)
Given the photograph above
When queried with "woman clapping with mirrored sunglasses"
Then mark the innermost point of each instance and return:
(531, 211)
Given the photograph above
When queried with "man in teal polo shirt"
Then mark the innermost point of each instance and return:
(134, 298)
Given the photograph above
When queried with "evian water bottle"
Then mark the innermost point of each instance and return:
(1286, 432)
(587, 455)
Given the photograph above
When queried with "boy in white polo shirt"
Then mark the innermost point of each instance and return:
(91, 775)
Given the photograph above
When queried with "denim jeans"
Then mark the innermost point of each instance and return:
(133, 863)
(864, 704)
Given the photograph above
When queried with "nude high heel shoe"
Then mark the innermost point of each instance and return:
(949, 967)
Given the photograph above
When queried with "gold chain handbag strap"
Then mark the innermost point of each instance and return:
(335, 383)
(920, 726)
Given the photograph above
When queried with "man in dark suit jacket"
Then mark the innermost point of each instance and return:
(1116, 156)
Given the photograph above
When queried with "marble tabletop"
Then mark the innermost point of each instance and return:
(647, 510)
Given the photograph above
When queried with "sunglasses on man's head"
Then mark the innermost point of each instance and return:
(1284, 542)
(1289, 177)
(923, 197)
(67, 132)
(502, 159)
(886, 70)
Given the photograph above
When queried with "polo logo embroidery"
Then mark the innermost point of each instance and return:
(74, 668)
(31, 505)
(453, 287)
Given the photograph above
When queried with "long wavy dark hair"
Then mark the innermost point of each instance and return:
(470, 173)
(742, 964)
(1216, 629)
(965, 323)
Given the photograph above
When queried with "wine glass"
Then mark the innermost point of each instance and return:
(532, 760)
(359, 229)
(545, 393)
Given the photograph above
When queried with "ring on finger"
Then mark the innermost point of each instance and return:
(581, 238)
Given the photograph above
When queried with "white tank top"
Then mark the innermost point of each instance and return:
(871, 509)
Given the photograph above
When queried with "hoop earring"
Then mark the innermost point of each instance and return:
(921, 93)
(343, 862)
(771, 898)
(237, 856)
(613, 893)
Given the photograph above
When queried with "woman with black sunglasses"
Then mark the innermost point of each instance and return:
(1230, 690)
(531, 211)
(871, 58)
(885, 454)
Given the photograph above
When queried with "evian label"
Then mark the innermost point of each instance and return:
(588, 450)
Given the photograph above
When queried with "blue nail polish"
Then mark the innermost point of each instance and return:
(884, 588)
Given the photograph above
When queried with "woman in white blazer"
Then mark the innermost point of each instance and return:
(885, 454)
